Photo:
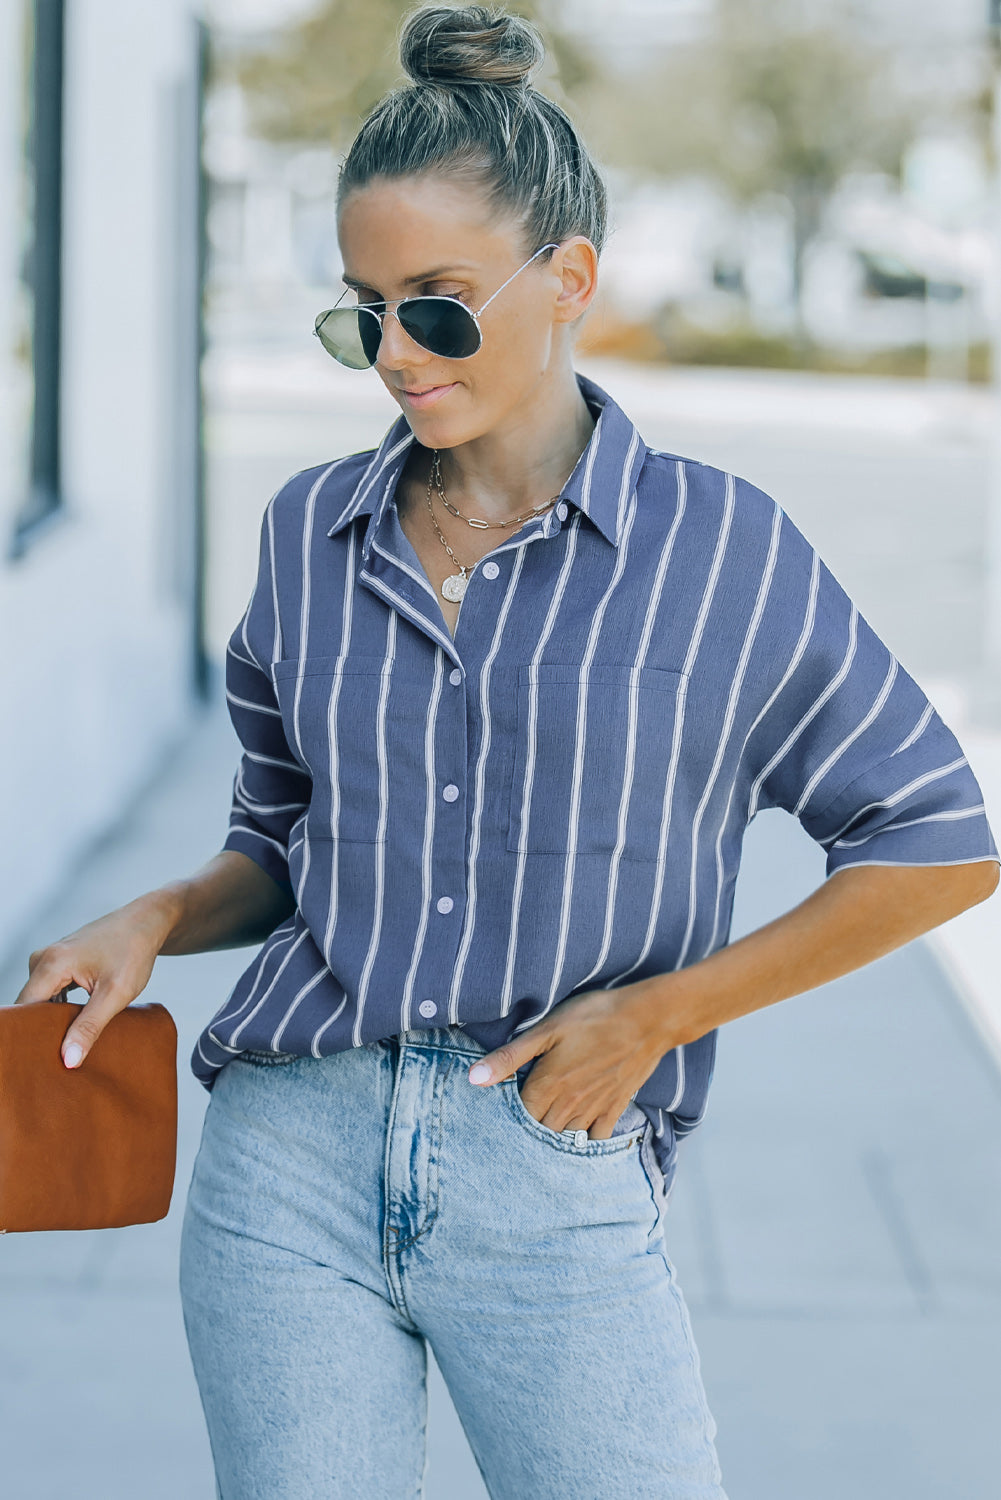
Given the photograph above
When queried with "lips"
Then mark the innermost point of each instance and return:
(426, 396)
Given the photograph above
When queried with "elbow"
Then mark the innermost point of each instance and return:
(980, 880)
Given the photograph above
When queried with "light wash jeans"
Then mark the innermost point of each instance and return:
(344, 1210)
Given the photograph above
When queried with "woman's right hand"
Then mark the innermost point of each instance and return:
(111, 958)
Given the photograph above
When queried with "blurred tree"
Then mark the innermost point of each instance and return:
(317, 79)
(768, 99)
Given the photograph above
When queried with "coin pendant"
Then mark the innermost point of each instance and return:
(454, 587)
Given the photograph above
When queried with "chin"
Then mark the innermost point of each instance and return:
(439, 434)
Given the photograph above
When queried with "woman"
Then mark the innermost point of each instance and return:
(509, 688)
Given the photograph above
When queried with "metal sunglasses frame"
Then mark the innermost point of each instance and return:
(395, 303)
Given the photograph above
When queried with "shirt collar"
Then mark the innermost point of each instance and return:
(602, 480)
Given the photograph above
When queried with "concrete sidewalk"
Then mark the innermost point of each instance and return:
(836, 1225)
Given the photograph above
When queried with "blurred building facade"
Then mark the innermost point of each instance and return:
(100, 434)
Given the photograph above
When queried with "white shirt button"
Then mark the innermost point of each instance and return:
(427, 1007)
(490, 570)
(445, 904)
(450, 792)
(455, 677)
(561, 511)
(579, 1136)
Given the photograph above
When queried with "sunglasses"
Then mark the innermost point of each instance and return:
(441, 325)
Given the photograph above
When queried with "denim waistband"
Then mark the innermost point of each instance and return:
(440, 1039)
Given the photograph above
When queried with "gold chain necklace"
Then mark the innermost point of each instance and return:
(455, 584)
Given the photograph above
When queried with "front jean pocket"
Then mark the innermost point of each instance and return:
(565, 1140)
(592, 758)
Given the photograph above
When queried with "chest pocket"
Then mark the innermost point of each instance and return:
(342, 716)
(592, 754)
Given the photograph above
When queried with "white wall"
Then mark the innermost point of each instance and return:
(96, 616)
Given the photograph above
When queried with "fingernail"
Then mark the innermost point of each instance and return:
(479, 1073)
(73, 1055)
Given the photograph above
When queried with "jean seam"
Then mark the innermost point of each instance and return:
(437, 1141)
(434, 1157)
(259, 1058)
(390, 1249)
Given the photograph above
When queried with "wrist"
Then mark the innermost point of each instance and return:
(668, 1011)
(162, 911)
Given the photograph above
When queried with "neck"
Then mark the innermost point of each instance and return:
(524, 461)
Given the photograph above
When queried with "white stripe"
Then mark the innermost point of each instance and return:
(892, 798)
(778, 517)
(347, 620)
(679, 1092)
(430, 817)
(625, 800)
(939, 817)
(269, 951)
(258, 708)
(380, 846)
(253, 804)
(577, 777)
(267, 537)
(479, 781)
(366, 483)
(630, 477)
(417, 574)
(307, 989)
(849, 739)
(405, 607)
(314, 1045)
(247, 661)
(815, 706)
(275, 760)
(805, 635)
(897, 864)
(548, 625)
(918, 729)
(237, 1030)
(276, 650)
(729, 715)
(679, 726)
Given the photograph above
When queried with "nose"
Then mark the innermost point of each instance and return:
(397, 348)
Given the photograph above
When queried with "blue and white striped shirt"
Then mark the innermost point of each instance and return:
(554, 800)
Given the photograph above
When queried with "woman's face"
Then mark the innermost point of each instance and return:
(434, 236)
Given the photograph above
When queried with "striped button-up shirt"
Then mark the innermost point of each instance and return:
(553, 801)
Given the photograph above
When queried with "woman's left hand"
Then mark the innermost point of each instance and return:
(596, 1051)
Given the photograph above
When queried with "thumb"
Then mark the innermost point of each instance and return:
(104, 1003)
(505, 1061)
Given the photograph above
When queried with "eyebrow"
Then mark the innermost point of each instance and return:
(438, 274)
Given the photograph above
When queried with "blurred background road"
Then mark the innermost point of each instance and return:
(823, 321)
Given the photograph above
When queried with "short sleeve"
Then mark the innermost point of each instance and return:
(271, 790)
(851, 745)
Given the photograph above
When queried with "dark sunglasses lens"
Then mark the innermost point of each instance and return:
(440, 326)
(352, 335)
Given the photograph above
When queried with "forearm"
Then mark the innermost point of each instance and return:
(857, 915)
(229, 903)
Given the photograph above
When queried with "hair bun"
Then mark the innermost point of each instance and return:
(455, 46)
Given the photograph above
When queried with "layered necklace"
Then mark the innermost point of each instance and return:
(454, 585)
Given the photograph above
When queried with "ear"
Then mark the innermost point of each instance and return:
(576, 263)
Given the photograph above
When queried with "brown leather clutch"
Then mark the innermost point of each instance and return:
(93, 1147)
